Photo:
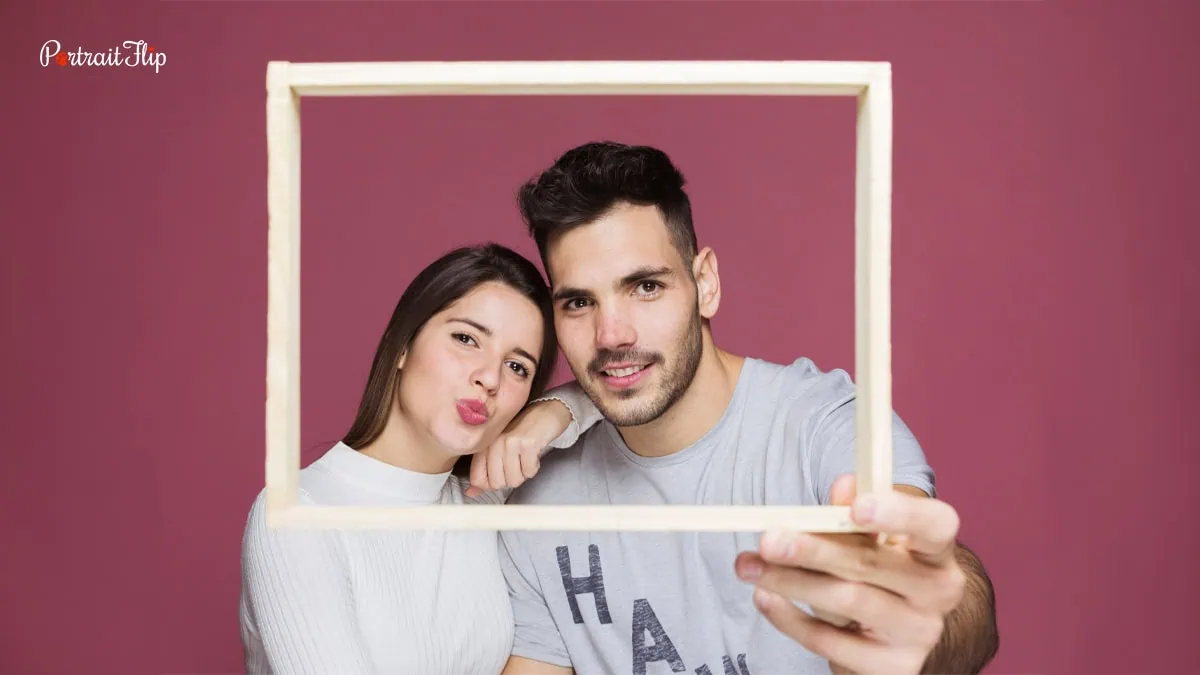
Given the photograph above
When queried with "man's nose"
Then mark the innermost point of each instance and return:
(614, 331)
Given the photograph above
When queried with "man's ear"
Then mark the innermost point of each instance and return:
(708, 282)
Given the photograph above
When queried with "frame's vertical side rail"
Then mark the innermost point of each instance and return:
(873, 203)
(283, 292)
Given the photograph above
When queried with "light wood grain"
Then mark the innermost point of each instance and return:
(870, 82)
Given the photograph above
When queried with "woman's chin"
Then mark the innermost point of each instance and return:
(461, 442)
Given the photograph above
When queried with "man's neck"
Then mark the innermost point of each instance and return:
(696, 412)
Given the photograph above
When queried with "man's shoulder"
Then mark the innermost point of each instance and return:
(800, 387)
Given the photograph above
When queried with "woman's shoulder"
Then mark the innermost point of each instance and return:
(261, 536)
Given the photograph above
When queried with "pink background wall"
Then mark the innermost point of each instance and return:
(1046, 338)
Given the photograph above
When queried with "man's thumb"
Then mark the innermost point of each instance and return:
(843, 491)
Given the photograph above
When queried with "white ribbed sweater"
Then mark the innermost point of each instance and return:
(340, 603)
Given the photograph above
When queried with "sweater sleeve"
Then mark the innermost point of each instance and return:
(298, 595)
(584, 413)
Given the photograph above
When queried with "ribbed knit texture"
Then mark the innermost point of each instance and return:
(372, 601)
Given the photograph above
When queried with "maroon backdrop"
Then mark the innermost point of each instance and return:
(1045, 295)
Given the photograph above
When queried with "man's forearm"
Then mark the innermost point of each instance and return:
(970, 638)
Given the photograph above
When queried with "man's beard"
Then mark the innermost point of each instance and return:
(676, 378)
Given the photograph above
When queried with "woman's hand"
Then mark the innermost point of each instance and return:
(516, 454)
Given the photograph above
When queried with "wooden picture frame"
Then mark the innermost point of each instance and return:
(869, 82)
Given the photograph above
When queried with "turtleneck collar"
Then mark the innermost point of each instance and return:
(395, 484)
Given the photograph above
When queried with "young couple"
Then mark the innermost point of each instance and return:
(455, 412)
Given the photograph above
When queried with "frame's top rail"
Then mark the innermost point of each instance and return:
(827, 78)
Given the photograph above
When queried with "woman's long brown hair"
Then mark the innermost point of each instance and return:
(444, 281)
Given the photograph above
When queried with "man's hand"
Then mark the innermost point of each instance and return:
(515, 456)
(894, 595)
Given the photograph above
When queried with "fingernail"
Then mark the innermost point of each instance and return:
(763, 599)
(751, 570)
(865, 508)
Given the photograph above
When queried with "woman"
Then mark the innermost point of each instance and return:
(469, 344)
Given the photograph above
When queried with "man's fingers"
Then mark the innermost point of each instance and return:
(889, 618)
(849, 650)
(929, 526)
(831, 618)
(854, 558)
(844, 490)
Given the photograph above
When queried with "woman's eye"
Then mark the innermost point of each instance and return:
(519, 369)
(464, 338)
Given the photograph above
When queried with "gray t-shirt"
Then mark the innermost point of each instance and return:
(651, 603)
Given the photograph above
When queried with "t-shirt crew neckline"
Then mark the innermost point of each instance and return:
(702, 445)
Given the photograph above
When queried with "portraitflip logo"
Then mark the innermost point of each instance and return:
(138, 53)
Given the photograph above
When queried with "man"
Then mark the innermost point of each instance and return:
(685, 422)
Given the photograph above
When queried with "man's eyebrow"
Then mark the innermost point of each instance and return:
(488, 332)
(643, 273)
(570, 292)
(639, 274)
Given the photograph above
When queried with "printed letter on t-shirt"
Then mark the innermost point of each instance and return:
(728, 664)
(663, 649)
(594, 583)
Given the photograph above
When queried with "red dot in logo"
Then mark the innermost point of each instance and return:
(152, 49)
(61, 58)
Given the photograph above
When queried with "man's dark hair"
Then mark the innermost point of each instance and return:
(591, 179)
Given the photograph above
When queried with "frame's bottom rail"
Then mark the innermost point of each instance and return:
(626, 518)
